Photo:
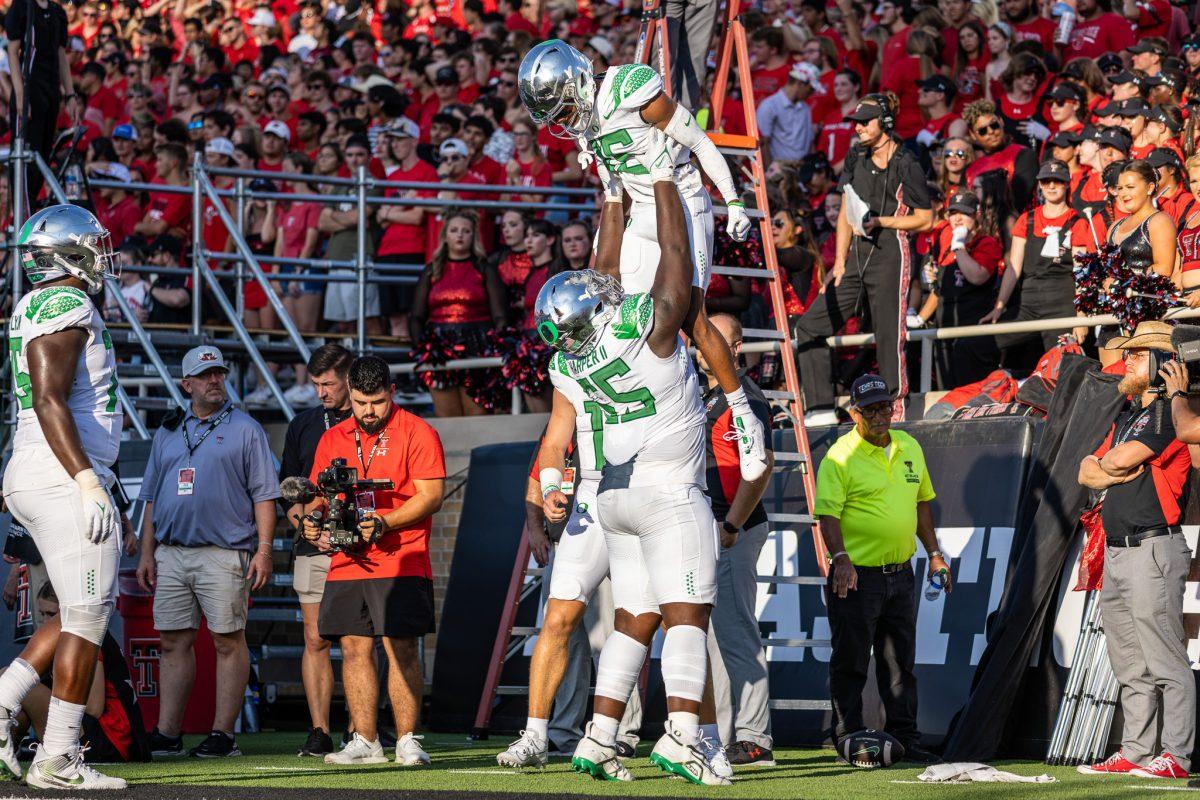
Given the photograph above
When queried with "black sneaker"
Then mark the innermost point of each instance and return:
(218, 745)
(162, 745)
(318, 743)
(916, 754)
(749, 754)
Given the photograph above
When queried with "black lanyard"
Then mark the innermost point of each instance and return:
(1121, 436)
(187, 440)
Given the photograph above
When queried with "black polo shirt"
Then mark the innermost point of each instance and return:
(299, 447)
(724, 471)
(1154, 498)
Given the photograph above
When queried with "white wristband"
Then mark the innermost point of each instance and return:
(551, 480)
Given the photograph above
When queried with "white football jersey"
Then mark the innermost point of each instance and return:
(646, 406)
(93, 400)
(617, 132)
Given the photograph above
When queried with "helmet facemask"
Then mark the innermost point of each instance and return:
(572, 312)
(90, 260)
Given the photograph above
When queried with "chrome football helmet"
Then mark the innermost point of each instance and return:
(558, 88)
(66, 240)
(573, 308)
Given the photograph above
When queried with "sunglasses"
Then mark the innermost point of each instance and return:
(231, 29)
(778, 223)
(994, 125)
(506, 84)
(195, 125)
(1191, 46)
(954, 153)
(90, 14)
(1059, 101)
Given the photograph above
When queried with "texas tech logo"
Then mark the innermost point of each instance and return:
(143, 654)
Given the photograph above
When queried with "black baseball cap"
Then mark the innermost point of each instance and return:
(1066, 139)
(1107, 110)
(1117, 138)
(1133, 107)
(1064, 91)
(865, 112)
(1146, 46)
(1157, 114)
(1125, 76)
(1164, 78)
(1164, 157)
(1054, 170)
(868, 390)
(964, 202)
(1110, 62)
(939, 83)
(445, 76)
(166, 243)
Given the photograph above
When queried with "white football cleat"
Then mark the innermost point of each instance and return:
(717, 758)
(528, 751)
(68, 771)
(410, 753)
(598, 760)
(752, 450)
(358, 751)
(673, 754)
(8, 747)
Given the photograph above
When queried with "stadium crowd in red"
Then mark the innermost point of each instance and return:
(988, 94)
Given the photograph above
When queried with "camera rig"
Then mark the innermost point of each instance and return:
(341, 487)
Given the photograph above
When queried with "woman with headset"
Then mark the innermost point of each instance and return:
(886, 201)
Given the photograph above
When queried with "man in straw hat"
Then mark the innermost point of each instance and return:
(1142, 468)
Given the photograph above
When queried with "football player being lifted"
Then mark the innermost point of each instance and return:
(613, 123)
(632, 374)
(56, 483)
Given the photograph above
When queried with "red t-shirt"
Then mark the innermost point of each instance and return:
(1079, 229)
(296, 222)
(894, 49)
(836, 136)
(249, 51)
(405, 239)
(1107, 33)
(983, 248)
(1154, 19)
(173, 208)
(970, 81)
(119, 219)
(1038, 29)
(104, 107)
(767, 82)
(408, 449)
(902, 81)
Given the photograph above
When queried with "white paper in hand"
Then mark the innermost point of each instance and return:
(856, 210)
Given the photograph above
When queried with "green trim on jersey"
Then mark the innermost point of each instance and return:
(633, 316)
(628, 80)
(44, 296)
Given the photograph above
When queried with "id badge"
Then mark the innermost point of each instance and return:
(568, 481)
(365, 501)
(187, 481)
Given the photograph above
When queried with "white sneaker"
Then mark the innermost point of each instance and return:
(8, 747)
(358, 751)
(409, 752)
(675, 755)
(259, 397)
(752, 451)
(68, 771)
(302, 395)
(598, 760)
(815, 419)
(715, 753)
(528, 751)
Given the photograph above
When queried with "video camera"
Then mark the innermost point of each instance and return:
(342, 489)
(1185, 342)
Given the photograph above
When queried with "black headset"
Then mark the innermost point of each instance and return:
(887, 122)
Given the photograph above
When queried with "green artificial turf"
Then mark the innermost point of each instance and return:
(460, 765)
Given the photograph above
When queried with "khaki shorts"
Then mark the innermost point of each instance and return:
(201, 581)
(308, 577)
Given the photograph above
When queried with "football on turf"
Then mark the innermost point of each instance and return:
(870, 749)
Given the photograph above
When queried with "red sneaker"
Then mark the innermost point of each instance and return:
(1116, 764)
(1165, 766)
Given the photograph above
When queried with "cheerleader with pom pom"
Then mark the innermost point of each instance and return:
(457, 302)
(527, 360)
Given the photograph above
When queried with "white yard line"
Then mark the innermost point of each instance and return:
(485, 771)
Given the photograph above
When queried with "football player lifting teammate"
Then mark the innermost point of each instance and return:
(614, 121)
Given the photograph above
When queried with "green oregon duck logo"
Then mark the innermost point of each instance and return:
(548, 331)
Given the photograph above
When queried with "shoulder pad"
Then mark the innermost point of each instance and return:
(55, 302)
(633, 317)
(634, 85)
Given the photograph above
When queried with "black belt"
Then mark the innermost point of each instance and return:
(1136, 539)
(886, 569)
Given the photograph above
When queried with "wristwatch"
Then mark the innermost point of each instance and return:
(729, 527)
(936, 554)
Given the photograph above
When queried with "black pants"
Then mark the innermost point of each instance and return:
(963, 361)
(1040, 300)
(881, 614)
(40, 131)
(876, 280)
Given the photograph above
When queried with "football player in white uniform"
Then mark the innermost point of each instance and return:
(626, 356)
(68, 434)
(613, 124)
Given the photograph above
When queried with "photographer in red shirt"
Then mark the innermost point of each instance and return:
(381, 588)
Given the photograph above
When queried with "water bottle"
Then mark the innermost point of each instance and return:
(73, 182)
(937, 582)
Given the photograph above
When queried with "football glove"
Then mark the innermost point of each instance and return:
(99, 514)
(738, 226)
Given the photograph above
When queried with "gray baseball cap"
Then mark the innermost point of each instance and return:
(201, 359)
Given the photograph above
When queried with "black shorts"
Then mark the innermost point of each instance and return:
(397, 298)
(394, 607)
